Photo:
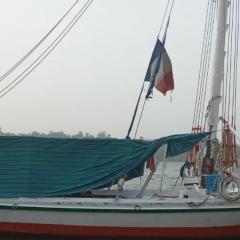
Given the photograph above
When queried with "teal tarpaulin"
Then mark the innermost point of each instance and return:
(41, 167)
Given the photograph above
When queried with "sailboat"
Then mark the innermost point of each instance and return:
(64, 186)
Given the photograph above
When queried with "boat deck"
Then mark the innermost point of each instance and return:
(106, 199)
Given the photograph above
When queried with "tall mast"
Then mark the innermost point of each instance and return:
(218, 67)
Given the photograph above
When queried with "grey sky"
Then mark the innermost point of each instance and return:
(92, 80)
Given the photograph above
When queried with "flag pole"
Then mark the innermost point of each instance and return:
(135, 112)
(151, 82)
(150, 86)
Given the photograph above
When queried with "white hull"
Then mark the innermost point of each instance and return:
(125, 217)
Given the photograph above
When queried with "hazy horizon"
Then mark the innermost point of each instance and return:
(91, 81)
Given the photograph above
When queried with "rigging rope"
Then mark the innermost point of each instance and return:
(229, 87)
(38, 44)
(200, 69)
(139, 120)
(205, 61)
(164, 37)
(207, 67)
(229, 61)
(229, 91)
(227, 152)
(139, 98)
(200, 100)
(46, 52)
(164, 16)
(236, 59)
(235, 70)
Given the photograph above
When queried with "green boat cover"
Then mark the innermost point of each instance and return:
(44, 167)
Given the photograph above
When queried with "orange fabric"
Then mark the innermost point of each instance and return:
(151, 165)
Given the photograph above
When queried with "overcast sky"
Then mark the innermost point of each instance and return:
(91, 81)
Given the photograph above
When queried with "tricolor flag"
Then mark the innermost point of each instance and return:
(159, 72)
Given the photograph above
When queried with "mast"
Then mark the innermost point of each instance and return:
(218, 67)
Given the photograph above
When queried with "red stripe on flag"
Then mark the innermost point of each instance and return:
(166, 83)
(151, 164)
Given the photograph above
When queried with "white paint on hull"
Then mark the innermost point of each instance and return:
(107, 213)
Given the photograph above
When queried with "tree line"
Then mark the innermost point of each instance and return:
(58, 134)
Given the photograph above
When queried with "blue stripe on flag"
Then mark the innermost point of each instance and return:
(157, 52)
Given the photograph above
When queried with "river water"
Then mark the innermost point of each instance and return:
(170, 177)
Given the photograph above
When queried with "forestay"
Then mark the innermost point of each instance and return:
(43, 167)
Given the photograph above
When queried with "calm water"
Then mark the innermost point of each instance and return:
(170, 176)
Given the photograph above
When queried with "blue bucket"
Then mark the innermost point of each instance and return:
(212, 182)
